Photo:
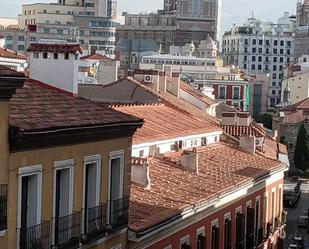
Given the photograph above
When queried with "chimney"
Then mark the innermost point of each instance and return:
(229, 118)
(55, 64)
(162, 82)
(189, 160)
(10, 80)
(243, 118)
(140, 172)
(248, 144)
(173, 85)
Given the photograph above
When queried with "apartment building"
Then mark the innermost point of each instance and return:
(189, 188)
(82, 22)
(262, 48)
(65, 168)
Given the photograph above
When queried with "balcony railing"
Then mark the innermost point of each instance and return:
(118, 214)
(35, 237)
(95, 223)
(67, 231)
(250, 241)
(3, 207)
(260, 237)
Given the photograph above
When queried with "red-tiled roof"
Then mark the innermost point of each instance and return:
(96, 57)
(5, 53)
(200, 96)
(240, 130)
(301, 105)
(52, 48)
(163, 123)
(8, 72)
(173, 189)
(38, 106)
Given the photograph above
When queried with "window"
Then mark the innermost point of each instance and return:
(281, 43)
(21, 38)
(253, 50)
(21, 47)
(89, 5)
(222, 92)
(246, 41)
(59, 31)
(265, 212)
(245, 58)
(46, 30)
(66, 56)
(185, 242)
(281, 59)
(275, 43)
(246, 50)
(253, 67)
(274, 76)
(257, 219)
(253, 58)
(288, 51)
(288, 43)
(254, 42)
(55, 56)
(273, 92)
(36, 55)
(200, 238)
(227, 233)
(9, 37)
(260, 58)
(275, 51)
(204, 141)
(260, 42)
(275, 59)
(215, 237)
(3, 207)
(266, 68)
(260, 50)
(267, 42)
(274, 67)
(259, 67)
(281, 51)
(267, 51)
(45, 55)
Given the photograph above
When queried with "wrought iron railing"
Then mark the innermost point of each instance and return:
(95, 223)
(118, 214)
(35, 237)
(67, 231)
(3, 207)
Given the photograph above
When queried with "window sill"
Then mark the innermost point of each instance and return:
(2, 232)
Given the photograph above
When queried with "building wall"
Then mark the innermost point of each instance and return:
(46, 158)
(44, 70)
(232, 208)
(299, 86)
(258, 94)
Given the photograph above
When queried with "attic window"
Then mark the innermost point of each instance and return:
(45, 55)
(66, 56)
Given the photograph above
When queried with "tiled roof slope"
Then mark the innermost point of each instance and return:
(303, 104)
(38, 106)
(173, 189)
(163, 123)
(200, 96)
(5, 53)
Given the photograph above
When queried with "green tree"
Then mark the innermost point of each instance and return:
(266, 119)
(301, 155)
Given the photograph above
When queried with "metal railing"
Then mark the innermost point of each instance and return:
(3, 206)
(95, 223)
(250, 241)
(35, 237)
(118, 214)
(67, 231)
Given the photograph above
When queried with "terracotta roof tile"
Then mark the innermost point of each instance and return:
(6, 53)
(174, 189)
(51, 48)
(163, 123)
(38, 106)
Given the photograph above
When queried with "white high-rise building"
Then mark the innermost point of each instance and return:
(262, 48)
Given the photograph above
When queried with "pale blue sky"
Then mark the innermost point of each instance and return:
(233, 11)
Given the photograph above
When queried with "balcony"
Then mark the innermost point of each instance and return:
(3, 207)
(95, 223)
(35, 237)
(67, 231)
(250, 241)
(118, 210)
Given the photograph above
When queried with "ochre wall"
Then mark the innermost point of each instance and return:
(46, 158)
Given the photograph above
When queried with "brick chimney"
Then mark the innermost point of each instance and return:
(10, 80)
(189, 160)
(229, 118)
(248, 144)
(140, 172)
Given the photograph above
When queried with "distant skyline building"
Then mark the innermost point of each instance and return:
(262, 48)
(179, 22)
(302, 32)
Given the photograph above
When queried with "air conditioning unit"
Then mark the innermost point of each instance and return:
(149, 78)
(259, 142)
